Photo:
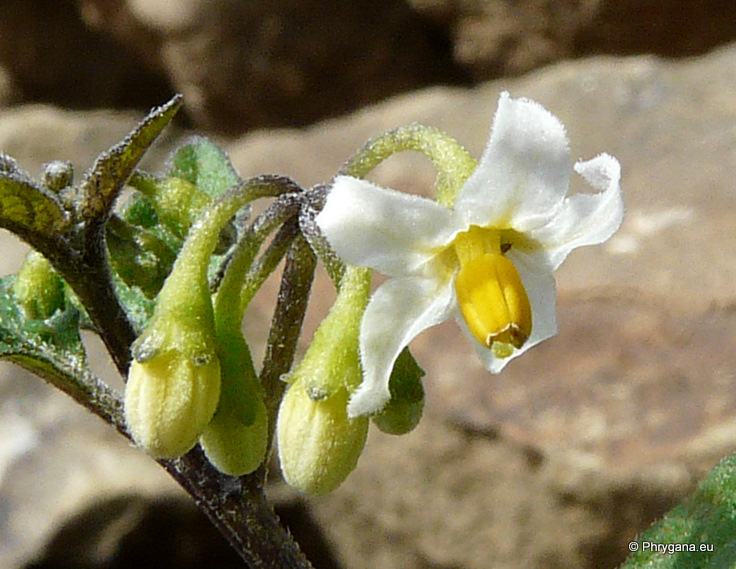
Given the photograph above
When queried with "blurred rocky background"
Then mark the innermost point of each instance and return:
(558, 462)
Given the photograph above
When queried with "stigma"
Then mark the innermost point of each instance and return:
(490, 294)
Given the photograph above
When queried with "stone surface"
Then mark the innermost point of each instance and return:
(52, 55)
(563, 458)
(248, 65)
(56, 459)
(245, 65)
(492, 38)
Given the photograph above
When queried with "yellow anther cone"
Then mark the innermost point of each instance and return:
(494, 303)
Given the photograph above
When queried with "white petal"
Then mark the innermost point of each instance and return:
(399, 310)
(538, 280)
(524, 172)
(586, 219)
(393, 232)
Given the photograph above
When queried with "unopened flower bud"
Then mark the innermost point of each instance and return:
(169, 399)
(236, 439)
(58, 175)
(318, 445)
(174, 383)
(404, 410)
(38, 288)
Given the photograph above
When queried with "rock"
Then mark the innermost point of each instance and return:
(496, 38)
(52, 56)
(248, 65)
(9, 92)
(137, 531)
(243, 66)
(56, 459)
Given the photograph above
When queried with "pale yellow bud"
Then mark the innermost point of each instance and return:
(318, 445)
(169, 399)
(232, 446)
(38, 289)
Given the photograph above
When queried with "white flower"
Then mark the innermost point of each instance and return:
(488, 262)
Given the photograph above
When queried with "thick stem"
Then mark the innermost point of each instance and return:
(88, 274)
(238, 507)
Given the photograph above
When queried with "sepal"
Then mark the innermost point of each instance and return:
(404, 410)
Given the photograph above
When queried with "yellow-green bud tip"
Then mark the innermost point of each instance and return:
(318, 445)
(169, 399)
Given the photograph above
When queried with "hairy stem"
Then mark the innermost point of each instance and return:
(453, 162)
(88, 274)
(238, 507)
(286, 325)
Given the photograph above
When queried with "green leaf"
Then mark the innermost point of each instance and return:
(404, 410)
(103, 182)
(50, 348)
(139, 257)
(28, 210)
(138, 306)
(177, 203)
(205, 165)
(700, 533)
(138, 210)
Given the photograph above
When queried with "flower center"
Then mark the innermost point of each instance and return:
(490, 293)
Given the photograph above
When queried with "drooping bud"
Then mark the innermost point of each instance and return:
(236, 439)
(169, 399)
(174, 381)
(404, 410)
(318, 444)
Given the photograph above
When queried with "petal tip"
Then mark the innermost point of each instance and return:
(367, 402)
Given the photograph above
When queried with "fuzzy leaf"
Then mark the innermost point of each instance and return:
(103, 182)
(50, 348)
(205, 165)
(28, 210)
(701, 531)
(139, 256)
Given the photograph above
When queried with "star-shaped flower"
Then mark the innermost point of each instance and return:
(489, 261)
